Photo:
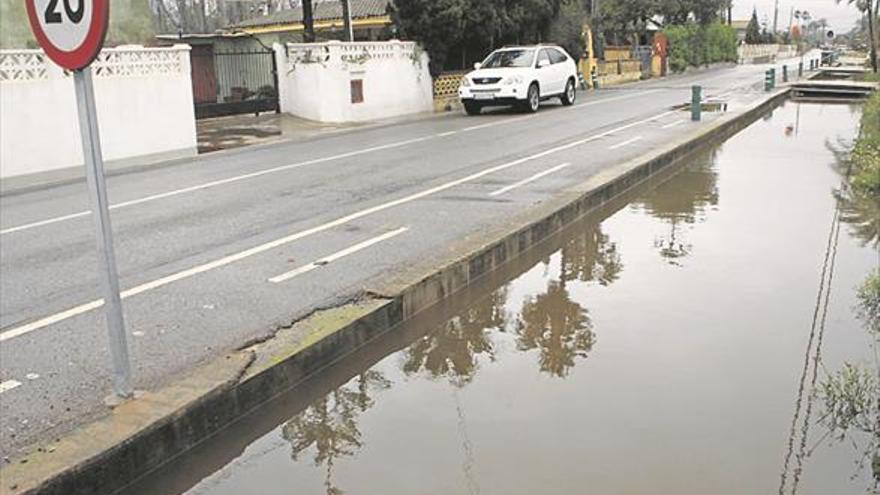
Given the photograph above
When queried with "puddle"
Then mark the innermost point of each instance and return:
(656, 347)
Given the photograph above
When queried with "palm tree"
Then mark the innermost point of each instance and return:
(866, 7)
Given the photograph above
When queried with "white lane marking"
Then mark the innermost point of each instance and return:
(528, 179)
(624, 143)
(45, 222)
(495, 122)
(247, 253)
(8, 385)
(672, 124)
(219, 182)
(337, 255)
(283, 168)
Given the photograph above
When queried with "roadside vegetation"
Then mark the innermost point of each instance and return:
(865, 158)
(696, 45)
(851, 394)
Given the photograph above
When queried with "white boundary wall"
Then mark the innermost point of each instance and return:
(315, 80)
(144, 102)
(749, 54)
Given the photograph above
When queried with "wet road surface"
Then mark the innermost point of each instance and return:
(211, 252)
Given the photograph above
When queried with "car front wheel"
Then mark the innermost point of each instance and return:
(533, 99)
(569, 95)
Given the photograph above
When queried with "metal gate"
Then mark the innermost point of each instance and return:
(643, 54)
(233, 82)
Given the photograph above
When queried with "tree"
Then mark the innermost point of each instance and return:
(866, 8)
(457, 32)
(436, 24)
(753, 30)
(130, 22)
(567, 28)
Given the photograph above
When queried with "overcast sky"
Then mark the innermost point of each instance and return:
(841, 17)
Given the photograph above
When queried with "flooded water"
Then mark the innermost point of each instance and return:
(654, 348)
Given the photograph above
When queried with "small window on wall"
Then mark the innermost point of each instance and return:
(357, 90)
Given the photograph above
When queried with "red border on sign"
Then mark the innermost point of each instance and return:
(82, 55)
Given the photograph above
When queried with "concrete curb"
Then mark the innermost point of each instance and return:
(145, 433)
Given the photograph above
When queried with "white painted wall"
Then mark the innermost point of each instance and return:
(314, 80)
(144, 102)
(748, 53)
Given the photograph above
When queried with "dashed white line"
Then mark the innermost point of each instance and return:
(624, 143)
(247, 253)
(528, 179)
(672, 124)
(337, 255)
(8, 385)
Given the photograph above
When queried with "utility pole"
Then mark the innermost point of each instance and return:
(308, 22)
(346, 19)
(872, 36)
(775, 18)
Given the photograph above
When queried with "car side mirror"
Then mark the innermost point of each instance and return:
(543, 63)
(477, 65)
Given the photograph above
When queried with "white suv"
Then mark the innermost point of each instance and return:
(521, 76)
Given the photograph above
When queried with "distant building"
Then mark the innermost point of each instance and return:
(370, 22)
(740, 28)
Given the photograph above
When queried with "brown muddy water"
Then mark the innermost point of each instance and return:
(656, 347)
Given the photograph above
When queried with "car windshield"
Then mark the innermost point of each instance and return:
(509, 58)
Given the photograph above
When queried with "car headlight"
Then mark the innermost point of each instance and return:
(465, 81)
(512, 80)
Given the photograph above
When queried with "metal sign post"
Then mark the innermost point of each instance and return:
(91, 144)
(72, 38)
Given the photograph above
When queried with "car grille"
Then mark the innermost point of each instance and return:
(486, 80)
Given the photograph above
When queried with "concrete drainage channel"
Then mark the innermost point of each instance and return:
(143, 434)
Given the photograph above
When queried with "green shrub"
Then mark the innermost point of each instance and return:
(866, 153)
(695, 45)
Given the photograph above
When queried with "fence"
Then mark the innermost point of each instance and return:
(143, 98)
(446, 85)
(231, 82)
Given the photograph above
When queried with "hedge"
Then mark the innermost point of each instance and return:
(695, 45)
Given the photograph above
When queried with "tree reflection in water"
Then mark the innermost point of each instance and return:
(860, 211)
(558, 327)
(591, 257)
(452, 350)
(330, 424)
(680, 202)
(551, 322)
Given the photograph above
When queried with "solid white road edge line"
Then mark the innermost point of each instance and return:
(337, 255)
(672, 124)
(528, 179)
(624, 143)
(282, 168)
(247, 253)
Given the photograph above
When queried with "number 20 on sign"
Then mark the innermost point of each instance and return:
(71, 32)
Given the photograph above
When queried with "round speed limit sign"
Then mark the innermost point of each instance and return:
(70, 31)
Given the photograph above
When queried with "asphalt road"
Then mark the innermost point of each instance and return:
(223, 249)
